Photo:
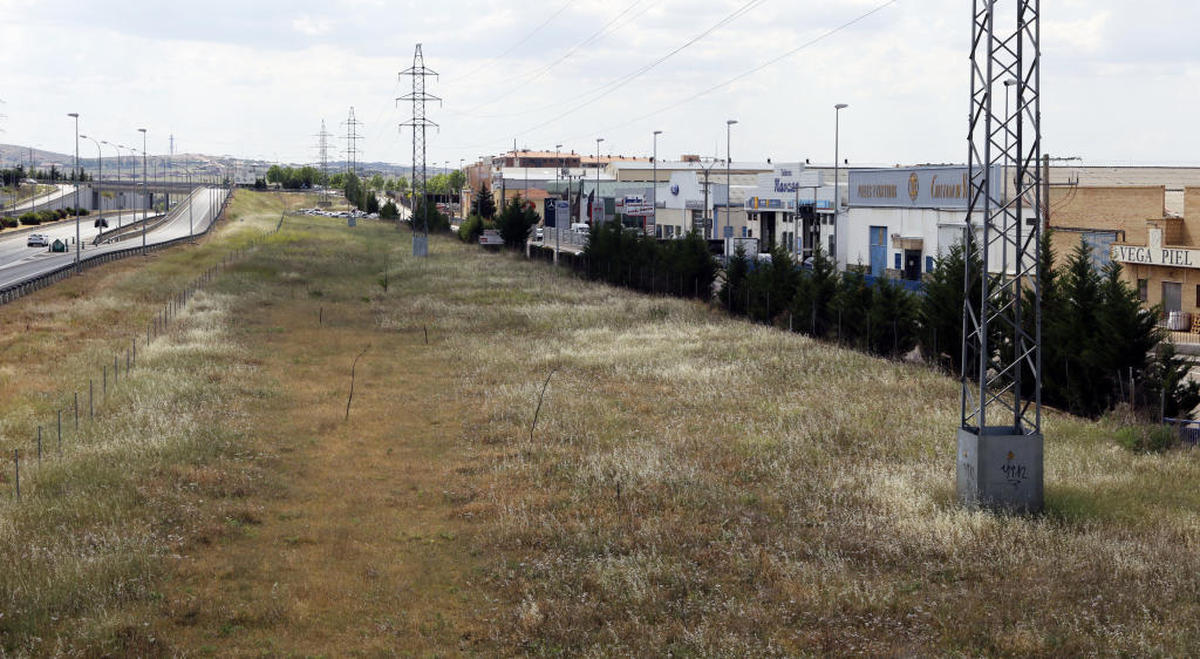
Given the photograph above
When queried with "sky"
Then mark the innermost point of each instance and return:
(1120, 80)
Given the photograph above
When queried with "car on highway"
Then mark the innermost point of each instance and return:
(37, 240)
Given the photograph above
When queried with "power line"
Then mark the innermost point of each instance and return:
(752, 71)
(518, 44)
(630, 77)
(514, 87)
(729, 81)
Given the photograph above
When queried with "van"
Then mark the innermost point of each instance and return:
(580, 227)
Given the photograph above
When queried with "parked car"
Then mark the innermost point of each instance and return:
(37, 240)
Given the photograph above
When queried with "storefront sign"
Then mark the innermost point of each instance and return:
(1173, 257)
(922, 187)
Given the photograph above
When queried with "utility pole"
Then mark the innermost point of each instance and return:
(1000, 444)
(419, 122)
(352, 139)
(323, 154)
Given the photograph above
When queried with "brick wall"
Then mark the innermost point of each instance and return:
(1111, 208)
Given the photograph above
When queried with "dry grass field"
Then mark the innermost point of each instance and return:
(694, 485)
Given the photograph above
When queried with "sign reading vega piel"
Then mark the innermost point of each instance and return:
(1173, 257)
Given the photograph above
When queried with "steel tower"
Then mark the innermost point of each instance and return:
(999, 438)
(419, 123)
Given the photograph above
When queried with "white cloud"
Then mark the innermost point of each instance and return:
(256, 78)
(311, 26)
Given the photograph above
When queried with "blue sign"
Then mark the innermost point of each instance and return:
(728, 231)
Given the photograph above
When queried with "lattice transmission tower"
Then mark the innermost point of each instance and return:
(419, 122)
(323, 156)
(352, 139)
(1000, 441)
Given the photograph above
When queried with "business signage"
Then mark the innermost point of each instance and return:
(922, 187)
(767, 204)
(1172, 257)
(634, 206)
(556, 213)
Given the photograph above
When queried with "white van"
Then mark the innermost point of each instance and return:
(580, 227)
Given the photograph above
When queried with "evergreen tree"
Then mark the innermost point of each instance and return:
(484, 204)
(941, 309)
(733, 291)
(812, 306)
(773, 285)
(852, 304)
(515, 222)
(372, 202)
(1171, 394)
(1081, 385)
(1125, 335)
(892, 322)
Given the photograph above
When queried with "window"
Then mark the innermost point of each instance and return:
(929, 264)
(1144, 289)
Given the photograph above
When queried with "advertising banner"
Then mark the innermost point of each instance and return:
(918, 187)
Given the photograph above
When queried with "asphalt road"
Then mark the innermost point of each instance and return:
(19, 262)
(62, 191)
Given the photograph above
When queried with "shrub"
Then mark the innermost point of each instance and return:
(31, 219)
(471, 229)
(1146, 439)
(9, 222)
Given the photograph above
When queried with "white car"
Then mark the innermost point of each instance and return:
(37, 240)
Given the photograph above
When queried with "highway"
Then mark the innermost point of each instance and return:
(19, 263)
(54, 195)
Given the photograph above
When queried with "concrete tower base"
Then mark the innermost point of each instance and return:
(1000, 470)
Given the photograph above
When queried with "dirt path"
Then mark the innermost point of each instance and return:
(357, 548)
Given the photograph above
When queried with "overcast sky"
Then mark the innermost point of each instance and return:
(1121, 79)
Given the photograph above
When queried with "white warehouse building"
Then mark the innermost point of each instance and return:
(900, 220)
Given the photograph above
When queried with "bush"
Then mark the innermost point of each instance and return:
(389, 211)
(9, 222)
(1147, 439)
(471, 228)
(31, 219)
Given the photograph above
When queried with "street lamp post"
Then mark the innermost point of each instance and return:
(119, 196)
(78, 244)
(145, 192)
(654, 184)
(557, 219)
(837, 161)
(592, 210)
(99, 173)
(728, 183)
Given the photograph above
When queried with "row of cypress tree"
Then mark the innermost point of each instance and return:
(683, 268)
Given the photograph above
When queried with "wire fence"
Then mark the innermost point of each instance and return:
(71, 420)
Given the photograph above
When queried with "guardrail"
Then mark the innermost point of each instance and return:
(37, 282)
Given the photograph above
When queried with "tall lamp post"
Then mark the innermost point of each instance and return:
(119, 196)
(78, 244)
(728, 183)
(592, 210)
(145, 192)
(837, 162)
(557, 219)
(99, 173)
(654, 185)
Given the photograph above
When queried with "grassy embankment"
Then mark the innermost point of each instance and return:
(694, 484)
